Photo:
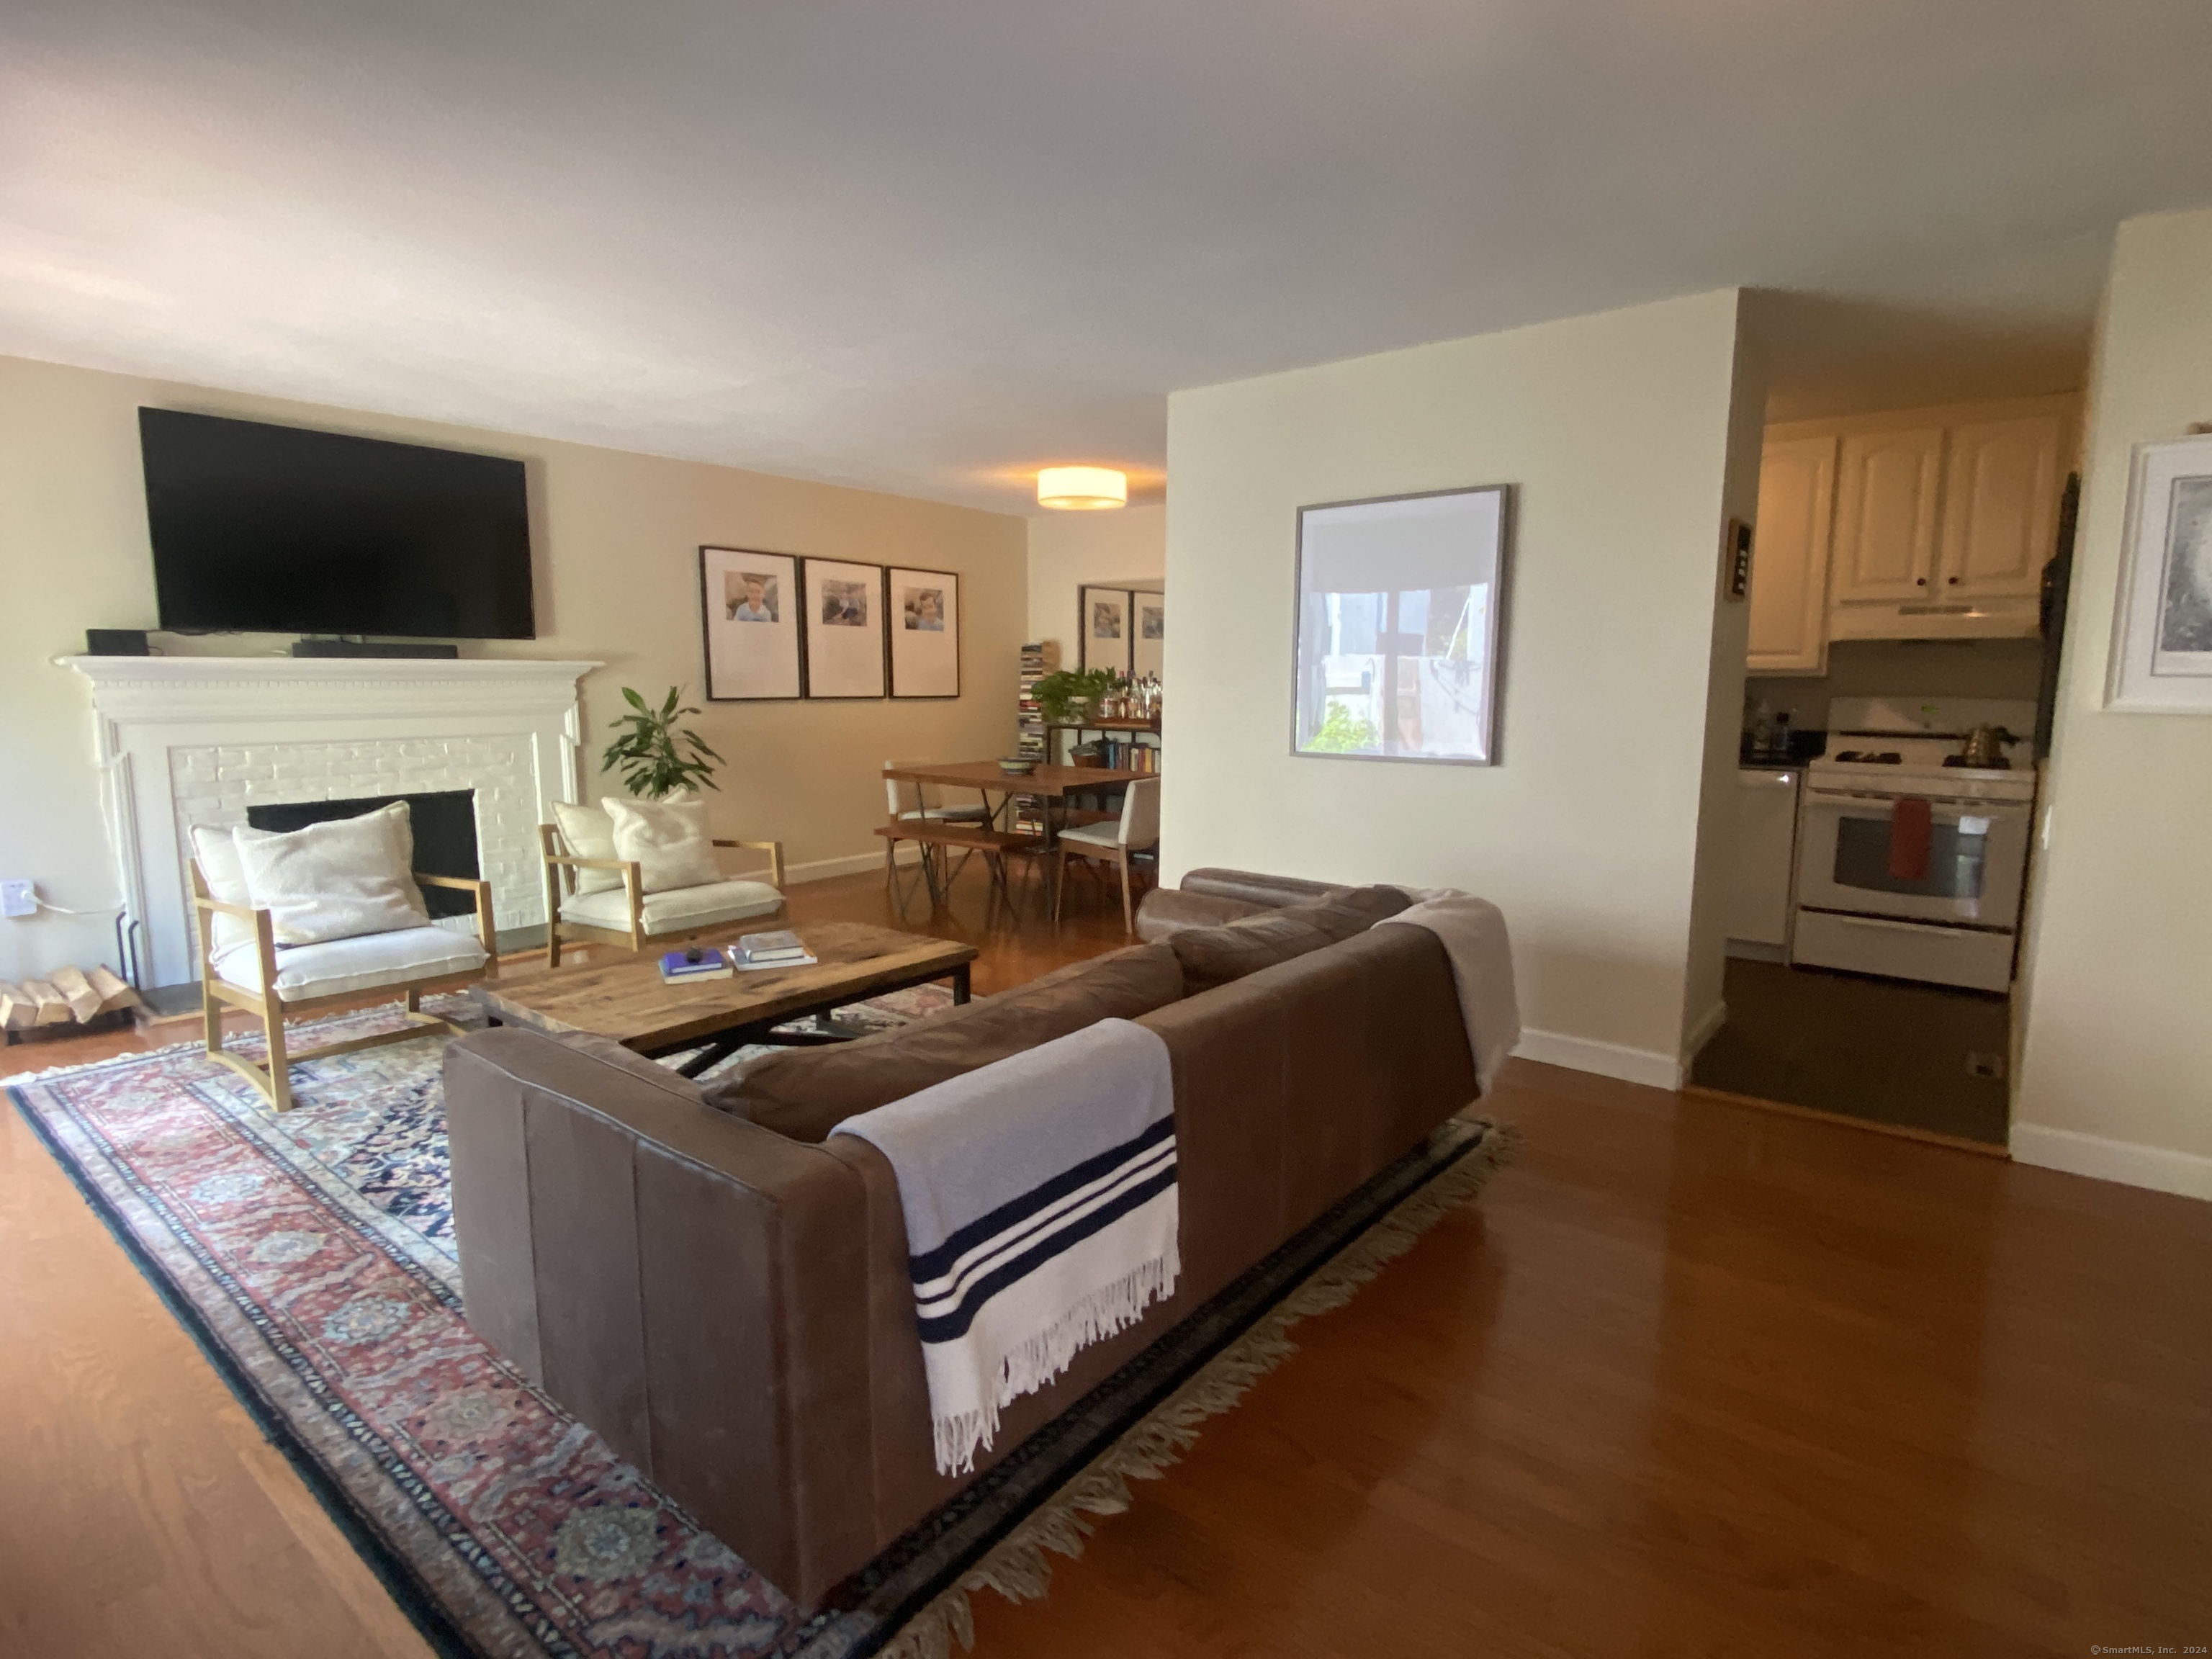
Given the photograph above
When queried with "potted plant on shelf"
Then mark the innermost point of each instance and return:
(1069, 695)
(656, 758)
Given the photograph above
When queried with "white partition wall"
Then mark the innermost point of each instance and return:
(1627, 439)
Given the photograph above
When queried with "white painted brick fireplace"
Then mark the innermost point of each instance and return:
(187, 740)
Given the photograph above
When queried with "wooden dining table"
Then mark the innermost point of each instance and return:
(1049, 783)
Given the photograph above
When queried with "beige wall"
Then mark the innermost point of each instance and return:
(1615, 431)
(616, 541)
(2115, 1074)
(1066, 550)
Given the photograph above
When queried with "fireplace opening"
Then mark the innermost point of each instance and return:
(445, 834)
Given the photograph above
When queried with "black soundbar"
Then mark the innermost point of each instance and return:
(361, 649)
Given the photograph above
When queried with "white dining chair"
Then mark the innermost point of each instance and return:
(1135, 830)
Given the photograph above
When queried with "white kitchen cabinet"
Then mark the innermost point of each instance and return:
(1891, 488)
(2000, 506)
(1943, 521)
(1766, 858)
(1789, 557)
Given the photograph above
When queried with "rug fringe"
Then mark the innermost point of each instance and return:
(1016, 1566)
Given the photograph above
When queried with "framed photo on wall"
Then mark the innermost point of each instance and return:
(843, 605)
(924, 628)
(749, 612)
(1148, 632)
(2162, 626)
(1401, 619)
(1105, 627)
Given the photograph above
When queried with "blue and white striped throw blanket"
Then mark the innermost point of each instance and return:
(1041, 1215)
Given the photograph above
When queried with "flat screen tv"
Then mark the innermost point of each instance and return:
(277, 529)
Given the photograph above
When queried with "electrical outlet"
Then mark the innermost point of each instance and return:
(19, 898)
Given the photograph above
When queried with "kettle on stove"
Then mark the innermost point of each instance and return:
(1985, 747)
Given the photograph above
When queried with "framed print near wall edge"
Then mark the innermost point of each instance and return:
(1397, 585)
(754, 649)
(1102, 615)
(1148, 632)
(843, 616)
(2162, 626)
(923, 615)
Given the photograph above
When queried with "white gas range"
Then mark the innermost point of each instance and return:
(1911, 863)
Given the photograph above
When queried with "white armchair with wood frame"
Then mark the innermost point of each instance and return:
(595, 896)
(243, 966)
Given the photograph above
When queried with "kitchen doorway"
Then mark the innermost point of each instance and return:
(1876, 916)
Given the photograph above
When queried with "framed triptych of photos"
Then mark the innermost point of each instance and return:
(924, 614)
(749, 613)
(1105, 615)
(843, 607)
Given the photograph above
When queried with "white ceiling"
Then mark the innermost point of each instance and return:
(926, 247)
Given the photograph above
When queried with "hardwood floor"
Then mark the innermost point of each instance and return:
(1688, 1378)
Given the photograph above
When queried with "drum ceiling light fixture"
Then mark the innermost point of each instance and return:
(1082, 489)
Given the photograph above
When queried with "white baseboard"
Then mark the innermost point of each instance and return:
(852, 864)
(2128, 1162)
(1703, 1032)
(1647, 1065)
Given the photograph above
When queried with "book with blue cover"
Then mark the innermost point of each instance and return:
(695, 961)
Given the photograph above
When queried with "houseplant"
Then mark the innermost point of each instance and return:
(1070, 694)
(656, 757)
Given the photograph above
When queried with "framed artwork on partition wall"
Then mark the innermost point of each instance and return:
(1105, 627)
(843, 605)
(925, 628)
(748, 613)
(1401, 619)
(2162, 628)
(1148, 632)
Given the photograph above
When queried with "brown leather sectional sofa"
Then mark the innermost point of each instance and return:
(700, 1275)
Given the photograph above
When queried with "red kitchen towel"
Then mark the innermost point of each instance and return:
(1909, 827)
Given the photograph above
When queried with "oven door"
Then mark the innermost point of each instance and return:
(1976, 859)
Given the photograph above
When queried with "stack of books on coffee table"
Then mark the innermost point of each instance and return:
(777, 949)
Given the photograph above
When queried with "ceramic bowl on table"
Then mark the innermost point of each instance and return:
(1018, 766)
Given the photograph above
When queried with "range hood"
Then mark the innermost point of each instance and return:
(1926, 619)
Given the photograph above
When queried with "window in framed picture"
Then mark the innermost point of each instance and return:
(1400, 607)
(844, 615)
(2162, 628)
(925, 619)
(1148, 632)
(1105, 635)
(749, 612)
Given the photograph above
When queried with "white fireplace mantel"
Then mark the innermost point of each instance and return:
(186, 740)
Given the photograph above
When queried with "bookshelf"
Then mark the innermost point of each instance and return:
(1125, 747)
(1039, 659)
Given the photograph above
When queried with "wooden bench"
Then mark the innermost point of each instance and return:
(936, 834)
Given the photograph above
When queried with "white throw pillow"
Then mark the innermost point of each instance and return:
(217, 855)
(669, 839)
(337, 879)
(587, 833)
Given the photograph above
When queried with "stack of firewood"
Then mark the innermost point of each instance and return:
(69, 996)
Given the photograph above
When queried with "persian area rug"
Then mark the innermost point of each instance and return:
(312, 1257)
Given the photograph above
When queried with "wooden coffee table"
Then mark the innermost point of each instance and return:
(629, 1001)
